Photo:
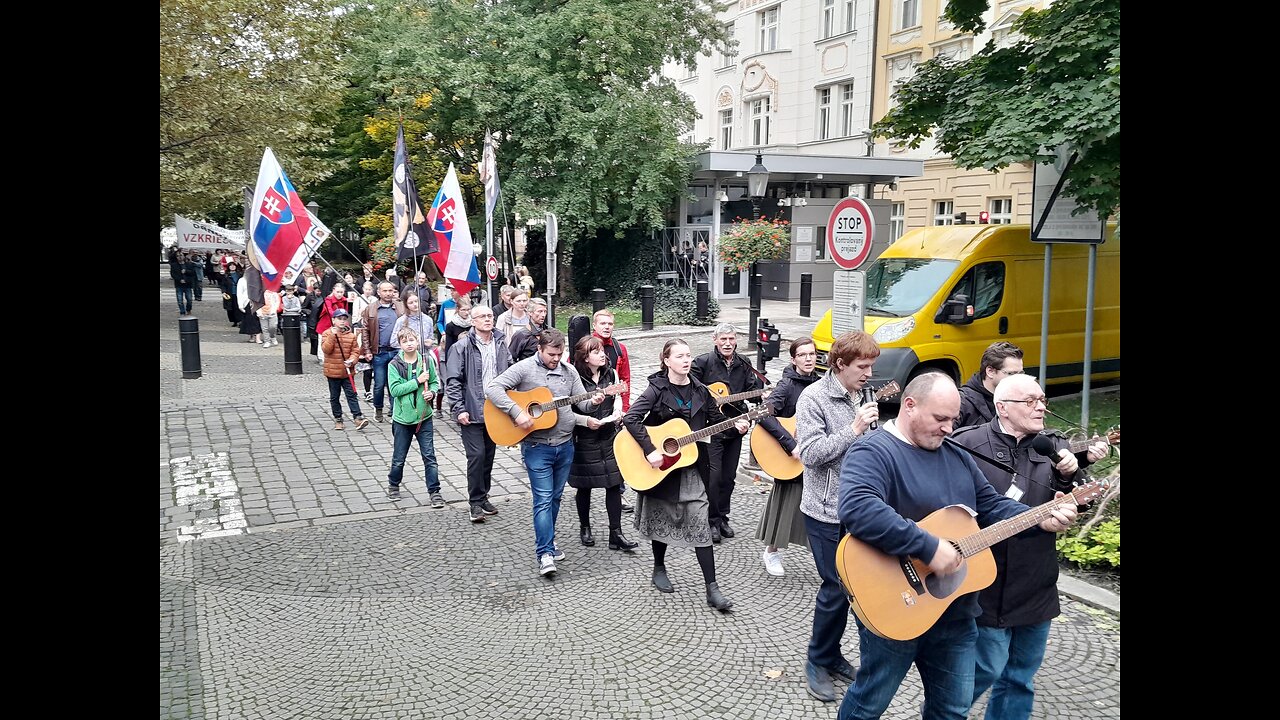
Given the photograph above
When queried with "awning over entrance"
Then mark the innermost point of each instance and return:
(785, 168)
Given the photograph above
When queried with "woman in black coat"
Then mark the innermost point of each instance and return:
(230, 302)
(593, 463)
(674, 512)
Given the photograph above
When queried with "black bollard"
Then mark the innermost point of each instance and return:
(806, 293)
(755, 284)
(704, 300)
(597, 300)
(646, 307)
(189, 346)
(291, 329)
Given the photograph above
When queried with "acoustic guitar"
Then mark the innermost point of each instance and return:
(669, 437)
(779, 463)
(900, 598)
(540, 406)
(720, 392)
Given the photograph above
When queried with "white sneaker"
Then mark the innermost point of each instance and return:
(274, 342)
(773, 563)
(547, 565)
(266, 343)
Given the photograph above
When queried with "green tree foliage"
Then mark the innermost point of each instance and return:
(235, 77)
(1058, 84)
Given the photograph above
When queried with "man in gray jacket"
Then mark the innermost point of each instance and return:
(547, 453)
(830, 416)
(474, 360)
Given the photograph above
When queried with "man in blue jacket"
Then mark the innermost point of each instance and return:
(890, 481)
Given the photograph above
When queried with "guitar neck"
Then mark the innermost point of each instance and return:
(718, 427)
(561, 402)
(971, 545)
(1083, 445)
(741, 396)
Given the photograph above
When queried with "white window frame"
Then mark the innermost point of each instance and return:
(727, 59)
(759, 111)
(768, 20)
(850, 8)
(847, 124)
(897, 220)
(726, 129)
(824, 113)
(827, 19)
(908, 14)
(1000, 211)
(944, 212)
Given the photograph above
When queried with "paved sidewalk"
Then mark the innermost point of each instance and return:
(290, 587)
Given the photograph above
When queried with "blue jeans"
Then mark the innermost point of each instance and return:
(944, 656)
(831, 610)
(199, 286)
(1009, 658)
(338, 387)
(184, 298)
(380, 362)
(548, 467)
(403, 436)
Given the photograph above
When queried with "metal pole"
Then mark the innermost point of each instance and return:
(290, 326)
(753, 292)
(806, 293)
(189, 346)
(597, 300)
(759, 348)
(646, 307)
(551, 310)
(1088, 338)
(1044, 318)
(704, 300)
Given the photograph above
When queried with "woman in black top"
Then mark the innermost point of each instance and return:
(674, 512)
(594, 465)
(230, 302)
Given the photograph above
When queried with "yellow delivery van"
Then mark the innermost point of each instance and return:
(939, 296)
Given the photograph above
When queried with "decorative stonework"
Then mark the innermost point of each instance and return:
(904, 37)
(724, 98)
(756, 81)
(835, 58)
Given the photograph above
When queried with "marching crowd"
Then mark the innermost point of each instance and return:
(873, 481)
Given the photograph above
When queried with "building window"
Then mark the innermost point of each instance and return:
(897, 221)
(824, 113)
(828, 21)
(849, 7)
(760, 121)
(820, 243)
(908, 14)
(768, 29)
(1001, 210)
(727, 56)
(846, 110)
(690, 72)
(942, 213)
(726, 129)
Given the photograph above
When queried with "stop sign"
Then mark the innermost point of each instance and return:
(849, 233)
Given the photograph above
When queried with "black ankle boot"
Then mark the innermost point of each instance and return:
(660, 579)
(717, 600)
(617, 541)
(586, 536)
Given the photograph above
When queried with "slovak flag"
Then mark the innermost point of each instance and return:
(448, 222)
(278, 222)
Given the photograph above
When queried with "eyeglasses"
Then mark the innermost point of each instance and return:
(1031, 402)
(806, 355)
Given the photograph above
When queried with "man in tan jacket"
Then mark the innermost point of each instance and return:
(379, 327)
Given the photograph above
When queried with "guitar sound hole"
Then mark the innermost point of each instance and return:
(534, 411)
(670, 446)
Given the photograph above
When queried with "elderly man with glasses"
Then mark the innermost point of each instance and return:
(977, 405)
(1018, 606)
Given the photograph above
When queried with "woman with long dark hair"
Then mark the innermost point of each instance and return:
(230, 302)
(674, 512)
(594, 465)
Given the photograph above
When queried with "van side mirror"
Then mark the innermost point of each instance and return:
(955, 311)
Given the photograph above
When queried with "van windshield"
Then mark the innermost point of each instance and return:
(898, 287)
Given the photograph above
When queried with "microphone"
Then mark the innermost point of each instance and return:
(869, 396)
(1043, 445)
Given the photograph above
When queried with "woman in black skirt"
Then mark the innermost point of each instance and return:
(782, 522)
(230, 302)
(593, 463)
(674, 512)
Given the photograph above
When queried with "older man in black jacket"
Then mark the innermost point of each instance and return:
(1017, 607)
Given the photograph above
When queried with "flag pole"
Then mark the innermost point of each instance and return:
(488, 216)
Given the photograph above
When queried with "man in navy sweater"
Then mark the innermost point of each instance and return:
(889, 481)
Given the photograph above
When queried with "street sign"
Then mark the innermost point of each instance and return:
(848, 301)
(1053, 214)
(553, 241)
(849, 233)
(492, 267)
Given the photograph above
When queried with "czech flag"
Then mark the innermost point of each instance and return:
(448, 222)
(278, 222)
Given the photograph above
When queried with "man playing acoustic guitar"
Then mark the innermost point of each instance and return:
(890, 481)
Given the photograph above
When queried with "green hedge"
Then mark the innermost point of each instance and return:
(679, 306)
(1100, 548)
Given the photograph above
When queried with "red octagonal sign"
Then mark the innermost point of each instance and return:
(849, 233)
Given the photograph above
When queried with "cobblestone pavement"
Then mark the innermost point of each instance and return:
(290, 587)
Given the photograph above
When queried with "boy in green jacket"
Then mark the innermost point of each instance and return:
(413, 380)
